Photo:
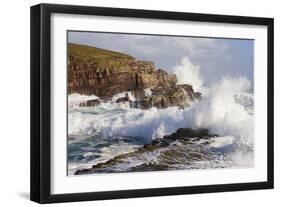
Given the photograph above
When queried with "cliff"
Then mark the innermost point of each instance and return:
(104, 73)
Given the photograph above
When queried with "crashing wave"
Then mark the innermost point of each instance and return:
(226, 108)
(220, 110)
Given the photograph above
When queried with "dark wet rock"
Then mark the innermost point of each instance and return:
(183, 133)
(147, 167)
(123, 99)
(90, 103)
(83, 171)
(163, 97)
(171, 152)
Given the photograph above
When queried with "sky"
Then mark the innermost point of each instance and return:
(210, 59)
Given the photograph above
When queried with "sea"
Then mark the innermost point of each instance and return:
(116, 130)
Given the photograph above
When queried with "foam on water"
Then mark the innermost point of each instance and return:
(94, 149)
(226, 108)
(147, 92)
(75, 99)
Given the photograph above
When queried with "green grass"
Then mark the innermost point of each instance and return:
(88, 53)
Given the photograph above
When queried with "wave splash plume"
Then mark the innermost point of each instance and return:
(111, 129)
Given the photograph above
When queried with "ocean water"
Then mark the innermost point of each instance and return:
(113, 131)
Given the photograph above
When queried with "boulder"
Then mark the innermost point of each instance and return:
(123, 99)
(163, 97)
(90, 103)
(183, 133)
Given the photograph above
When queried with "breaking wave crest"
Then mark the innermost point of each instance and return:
(226, 108)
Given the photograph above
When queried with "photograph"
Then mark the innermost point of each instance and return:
(133, 103)
(154, 102)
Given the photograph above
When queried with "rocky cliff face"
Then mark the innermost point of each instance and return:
(105, 73)
(112, 73)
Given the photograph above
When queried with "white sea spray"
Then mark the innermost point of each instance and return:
(226, 108)
(218, 110)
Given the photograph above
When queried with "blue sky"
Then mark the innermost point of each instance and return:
(215, 58)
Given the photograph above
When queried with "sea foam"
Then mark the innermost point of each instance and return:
(224, 109)
(75, 99)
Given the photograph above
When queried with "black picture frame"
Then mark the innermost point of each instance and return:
(41, 98)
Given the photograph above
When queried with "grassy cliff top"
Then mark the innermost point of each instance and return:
(89, 52)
